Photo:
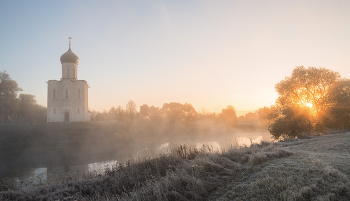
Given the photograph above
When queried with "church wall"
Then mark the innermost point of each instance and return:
(75, 104)
(86, 103)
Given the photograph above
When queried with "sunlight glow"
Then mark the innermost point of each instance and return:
(309, 105)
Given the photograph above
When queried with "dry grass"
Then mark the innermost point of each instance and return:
(184, 173)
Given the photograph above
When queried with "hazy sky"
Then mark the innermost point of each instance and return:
(207, 53)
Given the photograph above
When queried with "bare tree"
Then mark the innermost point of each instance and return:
(131, 107)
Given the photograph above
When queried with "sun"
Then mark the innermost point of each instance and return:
(309, 105)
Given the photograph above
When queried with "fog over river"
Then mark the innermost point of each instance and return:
(27, 177)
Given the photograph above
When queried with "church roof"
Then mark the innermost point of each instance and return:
(69, 57)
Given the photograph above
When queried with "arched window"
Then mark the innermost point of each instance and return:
(78, 93)
(54, 93)
(78, 111)
(73, 73)
(68, 72)
(54, 110)
(66, 93)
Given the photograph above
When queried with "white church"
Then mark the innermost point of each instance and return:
(67, 99)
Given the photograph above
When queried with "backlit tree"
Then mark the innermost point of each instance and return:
(302, 100)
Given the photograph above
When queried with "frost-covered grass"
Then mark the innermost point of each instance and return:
(319, 169)
(184, 173)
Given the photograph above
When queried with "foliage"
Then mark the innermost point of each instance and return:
(131, 107)
(296, 120)
(151, 113)
(29, 110)
(337, 115)
(174, 112)
(182, 115)
(8, 96)
(265, 114)
(303, 99)
(250, 117)
(99, 117)
(228, 116)
(306, 85)
(22, 108)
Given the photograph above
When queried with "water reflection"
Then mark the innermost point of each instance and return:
(30, 177)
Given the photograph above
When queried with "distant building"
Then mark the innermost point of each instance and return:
(67, 99)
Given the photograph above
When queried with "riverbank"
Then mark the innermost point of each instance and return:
(185, 172)
(300, 169)
(318, 169)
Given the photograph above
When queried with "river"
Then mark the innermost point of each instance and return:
(29, 177)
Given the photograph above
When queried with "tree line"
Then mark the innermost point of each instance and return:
(309, 100)
(18, 108)
(176, 113)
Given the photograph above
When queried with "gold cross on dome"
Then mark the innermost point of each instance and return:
(69, 41)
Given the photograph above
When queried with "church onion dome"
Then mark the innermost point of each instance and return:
(69, 57)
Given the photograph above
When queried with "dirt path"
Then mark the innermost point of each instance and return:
(318, 170)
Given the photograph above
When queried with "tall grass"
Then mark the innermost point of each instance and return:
(184, 173)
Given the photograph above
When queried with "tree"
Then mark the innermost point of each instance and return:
(263, 114)
(302, 99)
(26, 107)
(250, 117)
(93, 114)
(144, 111)
(176, 112)
(306, 87)
(100, 117)
(39, 114)
(112, 113)
(151, 113)
(131, 110)
(120, 114)
(8, 95)
(131, 107)
(337, 114)
(295, 120)
(228, 116)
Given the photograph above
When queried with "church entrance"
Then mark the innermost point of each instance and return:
(66, 116)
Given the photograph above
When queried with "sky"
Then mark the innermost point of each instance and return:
(207, 53)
